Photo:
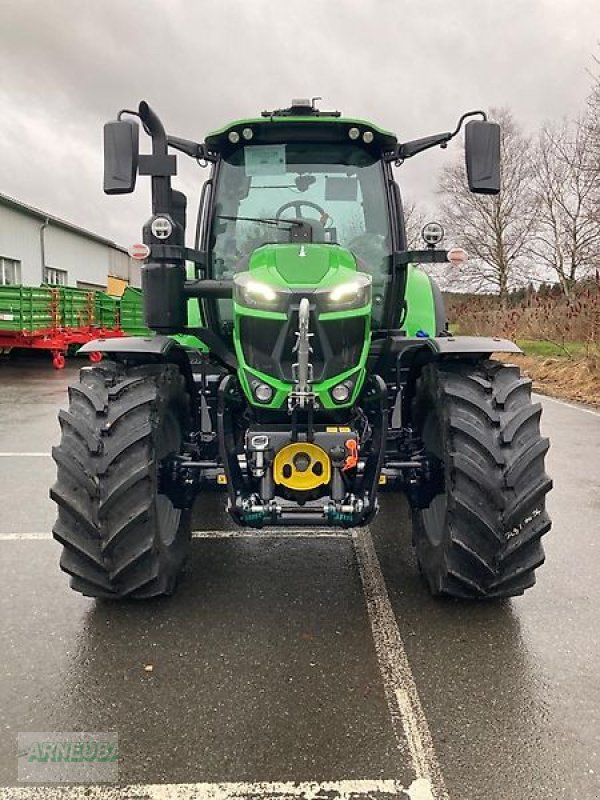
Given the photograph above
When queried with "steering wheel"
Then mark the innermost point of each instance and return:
(324, 217)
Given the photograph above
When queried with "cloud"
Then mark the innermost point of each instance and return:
(67, 66)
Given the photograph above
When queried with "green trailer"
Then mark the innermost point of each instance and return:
(106, 311)
(26, 310)
(55, 318)
(132, 313)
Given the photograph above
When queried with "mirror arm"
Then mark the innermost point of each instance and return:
(409, 149)
(193, 149)
(127, 111)
(465, 116)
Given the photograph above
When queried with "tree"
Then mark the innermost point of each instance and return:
(414, 220)
(495, 230)
(593, 132)
(567, 236)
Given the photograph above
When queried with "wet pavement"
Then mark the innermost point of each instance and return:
(269, 665)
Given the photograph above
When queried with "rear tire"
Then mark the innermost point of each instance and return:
(121, 537)
(480, 538)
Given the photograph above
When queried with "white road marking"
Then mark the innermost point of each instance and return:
(408, 718)
(274, 533)
(267, 533)
(543, 397)
(307, 790)
(25, 455)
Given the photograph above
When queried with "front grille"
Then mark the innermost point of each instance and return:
(259, 341)
(268, 345)
(344, 339)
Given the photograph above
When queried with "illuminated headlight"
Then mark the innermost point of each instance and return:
(353, 294)
(344, 292)
(261, 291)
(354, 133)
(233, 137)
(247, 133)
(368, 137)
(341, 392)
(263, 393)
(161, 227)
(256, 294)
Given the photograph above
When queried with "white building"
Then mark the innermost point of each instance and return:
(36, 248)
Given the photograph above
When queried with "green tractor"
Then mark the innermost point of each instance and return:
(320, 373)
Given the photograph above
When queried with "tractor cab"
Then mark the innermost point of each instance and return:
(303, 177)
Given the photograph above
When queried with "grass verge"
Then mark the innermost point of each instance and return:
(569, 378)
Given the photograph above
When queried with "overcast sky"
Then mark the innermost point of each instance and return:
(413, 66)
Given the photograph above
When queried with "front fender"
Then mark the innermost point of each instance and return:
(470, 345)
(146, 349)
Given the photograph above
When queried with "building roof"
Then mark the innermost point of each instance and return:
(11, 202)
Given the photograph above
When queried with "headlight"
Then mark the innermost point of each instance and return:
(263, 392)
(341, 392)
(251, 293)
(261, 291)
(353, 294)
(347, 291)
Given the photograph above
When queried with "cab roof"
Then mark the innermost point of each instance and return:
(302, 122)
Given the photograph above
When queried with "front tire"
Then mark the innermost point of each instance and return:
(480, 538)
(121, 537)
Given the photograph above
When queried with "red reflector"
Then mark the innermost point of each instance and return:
(457, 256)
(139, 251)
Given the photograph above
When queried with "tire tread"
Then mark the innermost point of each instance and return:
(495, 514)
(107, 481)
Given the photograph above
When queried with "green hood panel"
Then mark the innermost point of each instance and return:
(299, 265)
(420, 304)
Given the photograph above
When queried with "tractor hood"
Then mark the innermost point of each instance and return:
(279, 275)
(300, 266)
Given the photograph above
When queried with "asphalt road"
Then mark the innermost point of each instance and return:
(297, 666)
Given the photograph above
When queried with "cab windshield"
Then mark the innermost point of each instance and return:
(338, 188)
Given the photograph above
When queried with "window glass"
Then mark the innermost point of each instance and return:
(10, 272)
(56, 277)
(339, 188)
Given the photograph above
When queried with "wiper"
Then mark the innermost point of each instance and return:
(264, 220)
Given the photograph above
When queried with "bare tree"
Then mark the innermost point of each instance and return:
(593, 133)
(414, 220)
(567, 235)
(494, 230)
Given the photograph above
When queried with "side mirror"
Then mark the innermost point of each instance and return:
(482, 155)
(121, 151)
